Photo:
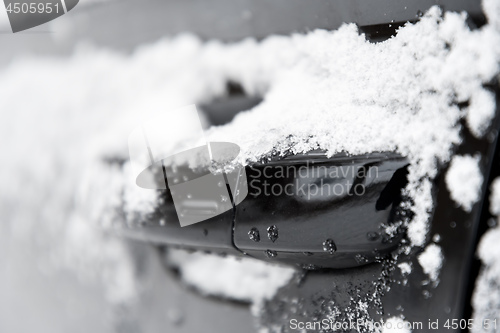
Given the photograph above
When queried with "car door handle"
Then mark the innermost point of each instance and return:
(308, 209)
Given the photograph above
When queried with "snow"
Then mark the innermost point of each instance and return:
(486, 297)
(396, 325)
(491, 9)
(431, 261)
(342, 86)
(243, 279)
(405, 268)
(495, 197)
(481, 112)
(464, 180)
(61, 119)
(489, 251)
(436, 238)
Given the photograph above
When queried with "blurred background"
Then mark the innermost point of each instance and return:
(59, 273)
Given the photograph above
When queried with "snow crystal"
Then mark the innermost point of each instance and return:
(486, 298)
(495, 197)
(431, 261)
(405, 268)
(491, 9)
(464, 180)
(396, 325)
(481, 112)
(489, 251)
(244, 279)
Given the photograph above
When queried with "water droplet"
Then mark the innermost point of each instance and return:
(220, 184)
(453, 224)
(329, 246)
(162, 222)
(272, 233)
(492, 223)
(189, 196)
(307, 254)
(361, 259)
(175, 317)
(420, 13)
(185, 178)
(223, 198)
(271, 253)
(372, 236)
(254, 234)
(176, 180)
(246, 15)
(426, 294)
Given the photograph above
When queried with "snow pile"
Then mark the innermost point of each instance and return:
(243, 279)
(431, 261)
(336, 91)
(464, 180)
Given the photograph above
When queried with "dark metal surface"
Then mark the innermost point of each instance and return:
(214, 234)
(309, 208)
(351, 220)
